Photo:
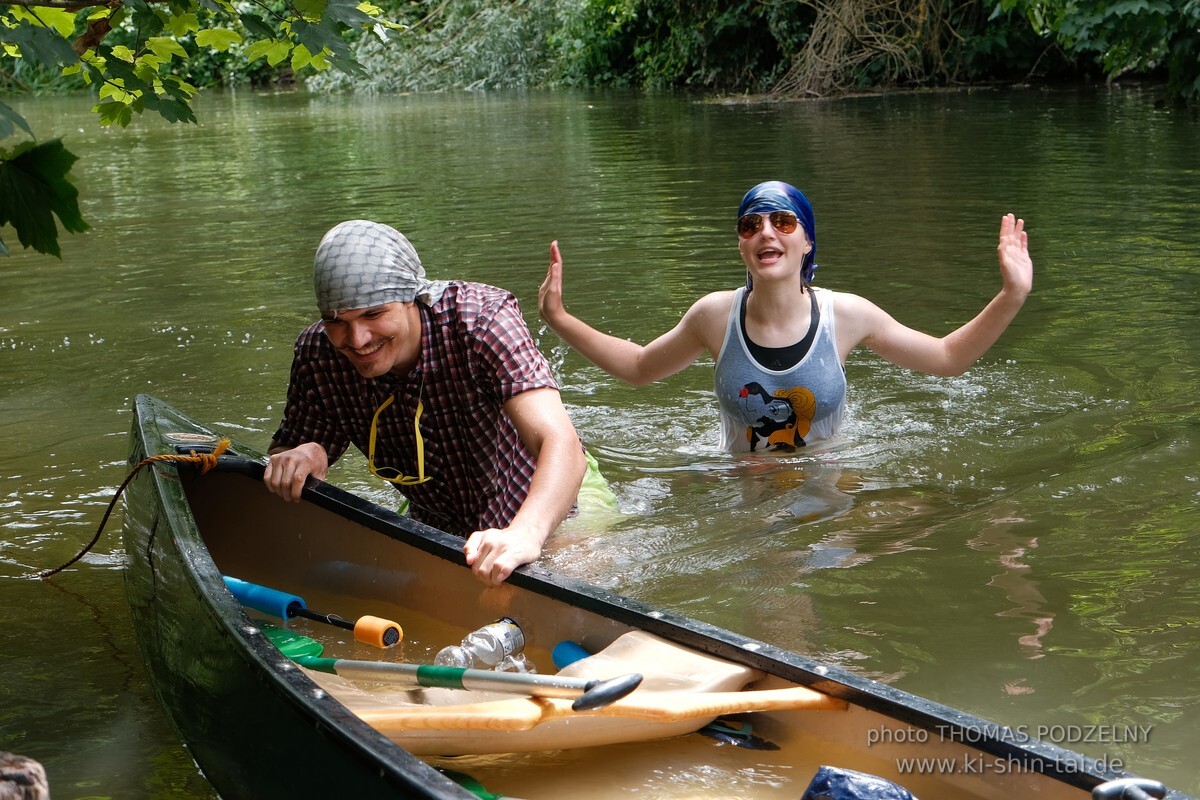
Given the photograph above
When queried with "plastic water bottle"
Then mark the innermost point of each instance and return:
(484, 648)
(454, 656)
(517, 663)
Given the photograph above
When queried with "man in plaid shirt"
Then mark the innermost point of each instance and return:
(440, 384)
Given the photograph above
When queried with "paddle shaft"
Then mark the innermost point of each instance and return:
(588, 693)
(523, 714)
(294, 610)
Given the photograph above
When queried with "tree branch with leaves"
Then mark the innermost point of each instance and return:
(148, 72)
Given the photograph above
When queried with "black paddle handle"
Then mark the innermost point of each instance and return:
(600, 693)
(1129, 789)
(296, 610)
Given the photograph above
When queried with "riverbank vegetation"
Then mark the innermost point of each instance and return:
(782, 48)
(154, 55)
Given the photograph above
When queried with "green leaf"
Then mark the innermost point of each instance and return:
(33, 189)
(116, 92)
(9, 120)
(313, 9)
(257, 50)
(166, 48)
(326, 37)
(346, 12)
(144, 18)
(255, 26)
(312, 36)
(170, 109)
(219, 6)
(301, 58)
(147, 66)
(92, 73)
(126, 75)
(183, 24)
(41, 46)
(179, 88)
(320, 61)
(277, 52)
(218, 38)
(181, 7)
(61, 20)
(114, 114)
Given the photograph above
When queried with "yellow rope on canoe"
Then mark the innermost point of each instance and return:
(206, 461)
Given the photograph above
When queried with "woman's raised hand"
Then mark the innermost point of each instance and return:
(550, 303)
(1016, 267)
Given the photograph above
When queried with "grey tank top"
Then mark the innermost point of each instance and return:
(763, 409)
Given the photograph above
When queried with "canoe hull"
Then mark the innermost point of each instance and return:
(255, 723)
(252, 723)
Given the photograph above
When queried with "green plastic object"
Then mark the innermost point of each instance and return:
(293, 645)
(470, 784)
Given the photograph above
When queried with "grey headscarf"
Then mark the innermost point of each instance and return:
(362, 264)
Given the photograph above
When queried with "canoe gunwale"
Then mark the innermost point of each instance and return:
(1069, 767)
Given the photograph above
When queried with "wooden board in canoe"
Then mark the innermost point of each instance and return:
(260, 726)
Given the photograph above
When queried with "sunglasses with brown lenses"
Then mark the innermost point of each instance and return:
(782, 221)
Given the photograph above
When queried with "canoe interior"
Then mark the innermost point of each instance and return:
(345, 567)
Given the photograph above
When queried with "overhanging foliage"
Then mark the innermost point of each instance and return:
(33, 189)
(132, 53)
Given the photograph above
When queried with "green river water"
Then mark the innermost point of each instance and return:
(1021, 542)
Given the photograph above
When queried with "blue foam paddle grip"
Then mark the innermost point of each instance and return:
(269, 601)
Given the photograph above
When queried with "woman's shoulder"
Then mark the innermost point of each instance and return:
(843, 301)
(715, 301)
(712, 310)
(707, 319)
(857, 319)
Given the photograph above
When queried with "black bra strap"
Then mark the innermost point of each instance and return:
(781, 358)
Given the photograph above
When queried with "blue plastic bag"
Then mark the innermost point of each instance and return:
(834, 783)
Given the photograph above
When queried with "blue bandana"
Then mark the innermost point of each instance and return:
(780, 196)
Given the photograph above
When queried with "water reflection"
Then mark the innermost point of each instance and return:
(1015, 580)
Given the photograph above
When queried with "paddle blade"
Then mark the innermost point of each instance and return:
(293, 645)
(739, 733)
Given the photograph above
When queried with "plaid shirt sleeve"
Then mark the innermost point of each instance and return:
(504, 355)
(307, 417)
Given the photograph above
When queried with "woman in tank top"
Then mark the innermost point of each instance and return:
(781, 345)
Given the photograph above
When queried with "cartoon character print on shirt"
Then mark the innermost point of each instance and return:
(782, 420)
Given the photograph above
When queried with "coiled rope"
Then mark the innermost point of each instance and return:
(206, 461)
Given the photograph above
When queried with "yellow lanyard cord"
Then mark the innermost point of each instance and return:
(403, 480)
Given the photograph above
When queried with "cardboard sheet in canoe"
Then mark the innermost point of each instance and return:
(682, 691)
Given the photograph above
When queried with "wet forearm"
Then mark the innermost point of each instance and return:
(968, 344)
(618, 357)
